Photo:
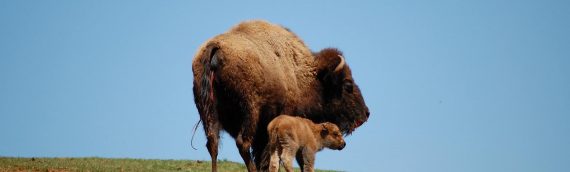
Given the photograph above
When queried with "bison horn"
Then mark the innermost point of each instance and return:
(340, 65)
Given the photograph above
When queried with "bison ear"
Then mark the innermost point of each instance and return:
(340, 66)
(330, 60)
(330, 65)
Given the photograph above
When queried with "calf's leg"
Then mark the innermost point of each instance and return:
(287, 155)
(309, 160)
(299, 158)
(274, 161)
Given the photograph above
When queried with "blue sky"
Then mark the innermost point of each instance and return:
(451, 85)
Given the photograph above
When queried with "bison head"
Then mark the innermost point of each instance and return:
(344, 104)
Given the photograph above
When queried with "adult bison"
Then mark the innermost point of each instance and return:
(257, 70)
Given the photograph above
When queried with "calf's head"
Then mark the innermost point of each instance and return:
(343, 101)
(331, 136)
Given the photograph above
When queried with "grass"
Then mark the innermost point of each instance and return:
(111, 164)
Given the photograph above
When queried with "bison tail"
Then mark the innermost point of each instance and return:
(207, 82)
(204, 94)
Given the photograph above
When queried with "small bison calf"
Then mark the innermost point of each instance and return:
(291, 136)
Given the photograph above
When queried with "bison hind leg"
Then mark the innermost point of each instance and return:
(249, 130)
(213, 135)
(244, 145)
(212, 145)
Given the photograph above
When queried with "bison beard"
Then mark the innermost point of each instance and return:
(246, 77)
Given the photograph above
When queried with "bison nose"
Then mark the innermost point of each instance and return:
(367, 114)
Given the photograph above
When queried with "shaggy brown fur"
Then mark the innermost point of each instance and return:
(295, 136)
(247, 76)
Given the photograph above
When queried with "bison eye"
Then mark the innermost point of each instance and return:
(348, 86)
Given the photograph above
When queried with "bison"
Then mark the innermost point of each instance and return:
(257, 70)
(291, 136)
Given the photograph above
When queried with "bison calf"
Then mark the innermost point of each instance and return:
(295, 136)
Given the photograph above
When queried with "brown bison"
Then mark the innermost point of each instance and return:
(257, 70)
(298, 137)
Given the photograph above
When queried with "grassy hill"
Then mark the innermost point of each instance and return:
(109, 164)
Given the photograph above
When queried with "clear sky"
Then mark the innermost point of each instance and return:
(451, 85)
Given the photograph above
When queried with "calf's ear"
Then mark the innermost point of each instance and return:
(324, 130)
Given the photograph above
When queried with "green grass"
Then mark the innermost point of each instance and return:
(110, 164)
